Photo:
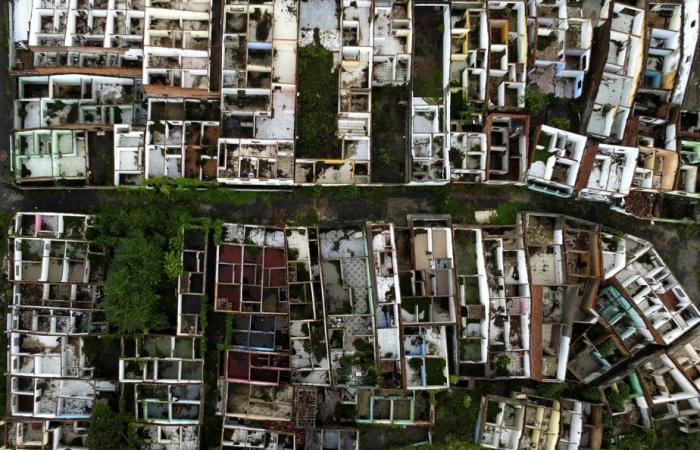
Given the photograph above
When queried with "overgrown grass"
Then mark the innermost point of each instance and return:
(559, 122)
(317, 109)
(506, 213)
(542, 155)
(194, 191)
(643, 439)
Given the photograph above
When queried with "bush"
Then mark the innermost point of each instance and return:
(616, 399)
(559, 122)
(552, 390)
(350, 192)
(592, 395)
(649, 440)
(536, 101)
(456, 412)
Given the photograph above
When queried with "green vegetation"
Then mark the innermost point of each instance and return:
(139, 291)
(203, 321)
(470, 350)
(318, 341)
(384, 158)
(448, 202)
(616, 399)
(506, 213)
(434, 371)
(344, 369)
(456, 412)
(643, 439)
(456, 157)
(460, 108)
(305, 218)
(465, 253)
(591, 394)
(173, 258)
(409, 304)
(228, 333)
(110, 430)
(131, 297)
(214, 328)
(364, 357)
(450, 443)
(501, 365)
(182, 190)
(429, 84)
(165, 184)
(541, 154)
(349, 192)
(559, 122)
(536, 101)
(317, 109)
(552, 390)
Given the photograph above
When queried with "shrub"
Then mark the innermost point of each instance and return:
(506, 213)
(559, 122)
(616, 399)
(536, 101)
(318, 101)
(552, 390)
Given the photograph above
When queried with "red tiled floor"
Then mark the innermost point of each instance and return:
(238, 364)
(225, 273)
(230, 294)
(276, 278)
(230, 253)
(274, 257)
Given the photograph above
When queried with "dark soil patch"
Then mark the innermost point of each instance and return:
(427, 54)
(389, 108)
(101, 159)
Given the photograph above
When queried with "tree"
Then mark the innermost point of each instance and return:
(105, 430)
(131, 298)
